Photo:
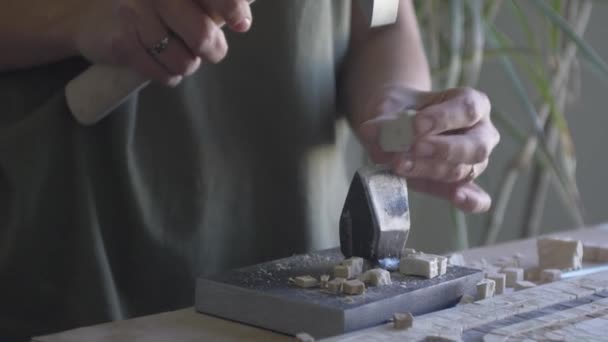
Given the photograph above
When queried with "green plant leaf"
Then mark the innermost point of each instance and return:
(585, 49)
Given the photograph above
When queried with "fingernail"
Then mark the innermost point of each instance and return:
(425, 150)
(423, 126)
(243, 25)
(405, 167)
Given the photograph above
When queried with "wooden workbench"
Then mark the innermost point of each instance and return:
(187, 325)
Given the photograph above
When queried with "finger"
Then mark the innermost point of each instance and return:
(464, 108)
(236, 13)
(202, 36)
(128, 50)
(430, 169)
(468, 147)
(468, 197)
(176, 57)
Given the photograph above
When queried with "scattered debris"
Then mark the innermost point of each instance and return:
(486, 289)
(524, 284)
(304, 337)
(513, 275)
(563, 254)
(403, 321)
(306, 281)
(499, 282)
(353, 287)
(377, 277)
(550, 275)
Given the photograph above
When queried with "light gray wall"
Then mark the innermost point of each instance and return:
(432, 228)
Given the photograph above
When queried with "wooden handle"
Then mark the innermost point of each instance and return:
(96, 92)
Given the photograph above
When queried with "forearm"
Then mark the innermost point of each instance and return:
(392, 55)
(35, 32)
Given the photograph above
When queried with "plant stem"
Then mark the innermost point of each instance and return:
(522, 161)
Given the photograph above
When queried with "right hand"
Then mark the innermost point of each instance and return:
(125, 32)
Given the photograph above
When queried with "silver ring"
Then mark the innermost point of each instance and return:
(159, 47)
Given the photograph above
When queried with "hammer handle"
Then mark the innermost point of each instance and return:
(97, 91)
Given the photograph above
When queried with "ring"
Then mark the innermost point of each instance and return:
(159, 47)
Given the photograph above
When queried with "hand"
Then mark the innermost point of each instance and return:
(452, 142)
(163, 40)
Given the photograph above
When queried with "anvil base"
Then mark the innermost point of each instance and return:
(261, 295)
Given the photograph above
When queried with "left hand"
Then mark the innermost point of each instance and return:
(453, 138)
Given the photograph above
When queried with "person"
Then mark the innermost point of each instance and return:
(233, 163)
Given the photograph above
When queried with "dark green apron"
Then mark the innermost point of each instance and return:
(244, 162)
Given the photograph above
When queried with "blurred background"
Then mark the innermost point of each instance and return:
(543, 65)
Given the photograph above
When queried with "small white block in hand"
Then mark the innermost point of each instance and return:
(396, 131)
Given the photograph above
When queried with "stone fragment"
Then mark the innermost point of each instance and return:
(499, 281)
(377, 277)
(590, 252)
(306, 281)
(532, 274)
(349, 268)
(601, 254)
(524, 284)
(335, 286)
(323, 280)
(304, 337)
(353, 287)
(342, 271)
(442, 264)
(550, 275)
(457, 259)
(403, 321)
(513, 275)
(420, 265)
(557, 253)
(485, 289)
(409, 251)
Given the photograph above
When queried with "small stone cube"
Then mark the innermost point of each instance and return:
(500, 281)
(306, 281)
(550, 275)
(601, 254)
(349, 268)
(342, 271)
(589, 252)
(485, 289)
(532, 273)
(524, 284)
(563, 254)
(324, 279)
(442, 263)
(419, 265)
(377, 277)
(353, 287)
(335, 286)
(513, 275)
(403, 321)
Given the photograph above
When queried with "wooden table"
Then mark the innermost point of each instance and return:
(187, 325)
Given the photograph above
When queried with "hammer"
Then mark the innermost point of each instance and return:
(92, 95)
